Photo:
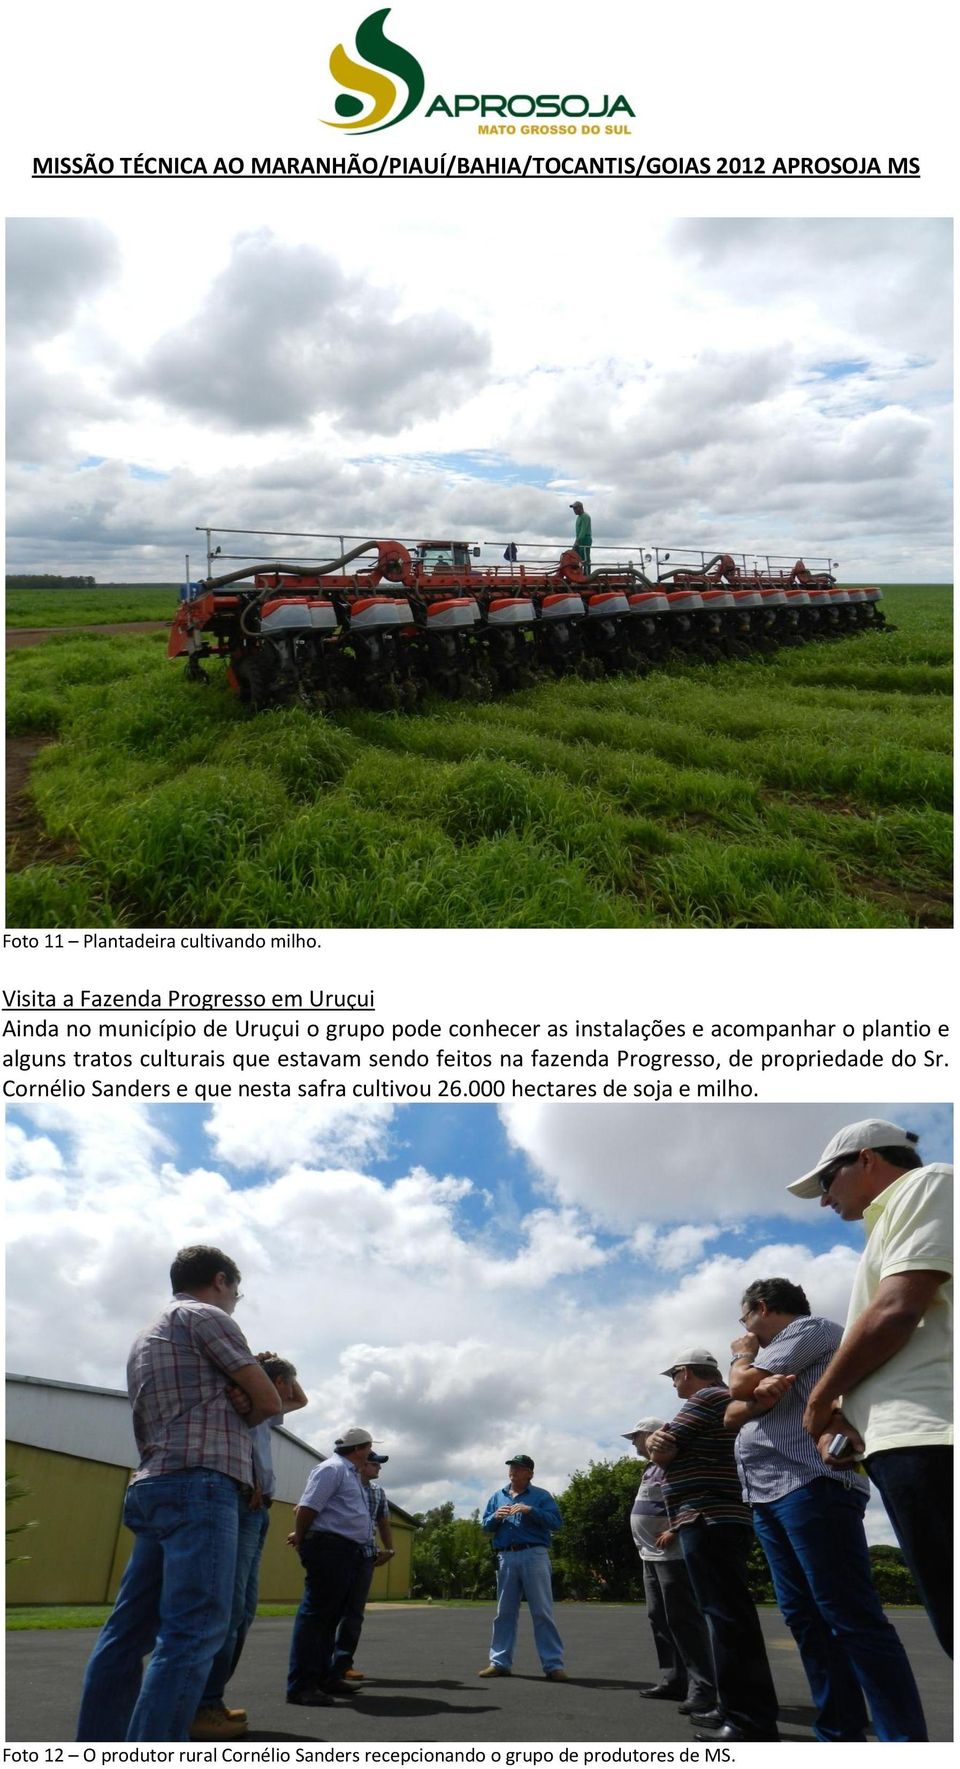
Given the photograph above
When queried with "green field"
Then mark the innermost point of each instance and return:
(806, 791)
(99, 606)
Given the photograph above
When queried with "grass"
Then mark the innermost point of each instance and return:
(56, 1615)
(21, 1616)
(93, 1615)
(810, 790)
(97, 606)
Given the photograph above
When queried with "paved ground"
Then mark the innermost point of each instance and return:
(421, 1666)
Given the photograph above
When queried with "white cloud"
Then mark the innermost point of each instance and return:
(53, 268)
(683, 1246)
(29, 1154)
(788, 385)
(268, 1137)
(283, 334)
(456, 1334)
(630, 1165)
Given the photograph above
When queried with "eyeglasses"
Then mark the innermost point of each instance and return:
(826, 1179)
(745, 1317)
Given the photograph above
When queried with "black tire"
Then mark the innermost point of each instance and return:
(255, 674)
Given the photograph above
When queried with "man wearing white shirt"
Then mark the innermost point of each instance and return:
(889, 1387)
(332, 1532)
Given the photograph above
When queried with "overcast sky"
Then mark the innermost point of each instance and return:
(441, 366)
(465, 1282)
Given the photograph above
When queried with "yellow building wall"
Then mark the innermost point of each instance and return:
(77, 1507)
(78, 1551)
(281, 1575)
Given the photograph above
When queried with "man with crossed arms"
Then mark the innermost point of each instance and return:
(809, 1520)
(183, 1506)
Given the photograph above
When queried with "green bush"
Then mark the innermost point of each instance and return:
(452, 1557)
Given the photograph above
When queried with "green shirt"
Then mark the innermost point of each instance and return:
(584, 534)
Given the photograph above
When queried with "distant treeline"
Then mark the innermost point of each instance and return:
(47, 580)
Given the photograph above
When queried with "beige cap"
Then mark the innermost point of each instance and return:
(870, 1133)
(697, 1356)
(353, 1439)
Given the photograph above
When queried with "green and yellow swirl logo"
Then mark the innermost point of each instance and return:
(373, 80)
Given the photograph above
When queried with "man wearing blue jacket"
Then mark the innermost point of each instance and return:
(521, 1518)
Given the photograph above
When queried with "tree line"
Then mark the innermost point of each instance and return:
(47, 580)
(594, 1558)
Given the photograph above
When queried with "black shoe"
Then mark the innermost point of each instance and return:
(707, 1716)
(735, 1735)
(311, 1698)
(697, 1705)
(660, 1692)
(339, 1686)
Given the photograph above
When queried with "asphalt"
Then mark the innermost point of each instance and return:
(421, 1686)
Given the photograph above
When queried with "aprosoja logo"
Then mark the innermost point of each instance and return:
(381, 91)
(380, 53)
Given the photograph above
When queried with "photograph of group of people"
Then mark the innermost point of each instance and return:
(778, 1437)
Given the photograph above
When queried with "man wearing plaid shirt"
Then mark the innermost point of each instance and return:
(196, 1466)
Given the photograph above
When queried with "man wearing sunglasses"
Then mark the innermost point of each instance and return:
(889, 1385)
(705, 1506)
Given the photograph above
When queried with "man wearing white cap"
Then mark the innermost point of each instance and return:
(888, 1388)
(679, 1630)
(716, 1535)
(332, 1532)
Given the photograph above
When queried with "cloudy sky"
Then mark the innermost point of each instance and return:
(465, 1282)
(464, 363)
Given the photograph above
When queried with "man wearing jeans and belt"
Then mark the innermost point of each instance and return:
(196, 1467)
(521, 1519)
(332, 1533)
(809, 1520)
(889, 1387)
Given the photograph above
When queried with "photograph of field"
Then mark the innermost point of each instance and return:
(809, 789)
(756, 393)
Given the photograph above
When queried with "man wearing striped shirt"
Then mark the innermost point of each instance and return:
(702, 1491)
(809, 1520)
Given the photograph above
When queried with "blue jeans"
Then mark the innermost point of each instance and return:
(174, 1602)
(916, 1486)
(817, 1552)
(252, 1529)
(525, 1572)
